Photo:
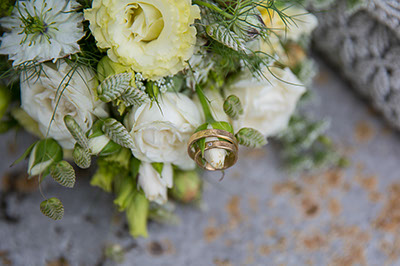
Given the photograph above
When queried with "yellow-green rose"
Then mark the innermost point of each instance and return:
(154, 37)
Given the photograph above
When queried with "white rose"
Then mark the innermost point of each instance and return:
(161, 132)
(40, 95)
(300, 22)
(153, 184)
(267, 103)
(155, 37)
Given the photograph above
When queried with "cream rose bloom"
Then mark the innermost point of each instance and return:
(300, 22)
(155, 37)
(160, 132)
(267, 103)
(39, 97)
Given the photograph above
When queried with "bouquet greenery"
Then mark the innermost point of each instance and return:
(153, 88)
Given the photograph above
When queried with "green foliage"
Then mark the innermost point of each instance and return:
(6, 7)
(110, 148)
(222, 125)
(81, 157)
(114, 86)
(134, 167)
(249, 23)
(135, 204)
(134, 96)
(63, 173)
(233, 107)
(117, 133)
(77, 132)
(25, 154)
(163, 213)
(5, 98)
(110, 168)
(251, 138)
(226, 37)
(52, 208)
(306, 147)
(43, 154)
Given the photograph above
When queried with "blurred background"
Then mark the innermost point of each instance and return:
(259, 214)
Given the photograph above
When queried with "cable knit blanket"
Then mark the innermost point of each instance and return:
(365, 45)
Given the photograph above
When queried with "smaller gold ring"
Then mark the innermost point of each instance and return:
(230, 160)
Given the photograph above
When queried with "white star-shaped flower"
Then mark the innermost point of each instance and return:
(41, 30)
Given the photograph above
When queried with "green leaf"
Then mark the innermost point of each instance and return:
(222, 126)
(135, 165)
(134, 96)
(226, 37)
(81, 157)
(45, 153)
(76, 132)
(96, 130)
(117, 133)
(25, 154)
(250, 137)
(63, 173)
(52, 208)
(233, 107)
(110, 148)
(114, 86)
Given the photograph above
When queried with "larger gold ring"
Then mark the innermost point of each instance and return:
(228, 143)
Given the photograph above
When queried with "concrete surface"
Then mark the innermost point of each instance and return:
(258, 215)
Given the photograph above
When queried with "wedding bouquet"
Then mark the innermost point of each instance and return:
(152, 89)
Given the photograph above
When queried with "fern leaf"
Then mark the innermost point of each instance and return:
(134, 96)
(52, 208)
(63, 173)
(81, 157)
(250, 137)
(233, 107)
(117, 133)
(225, 36)
(113, 86)
(76, 132)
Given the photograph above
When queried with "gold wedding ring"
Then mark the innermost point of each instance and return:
(228, 143)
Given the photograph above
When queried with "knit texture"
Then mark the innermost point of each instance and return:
(365, 45)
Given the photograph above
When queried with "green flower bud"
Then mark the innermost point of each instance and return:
(106, 67)
(136, 214)
(187, 186)
(103, 178)
(5, 99)
(43, 155)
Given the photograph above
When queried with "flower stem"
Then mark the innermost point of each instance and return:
(213, 7)
(204, 105)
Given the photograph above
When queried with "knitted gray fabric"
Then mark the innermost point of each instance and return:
(365, 45)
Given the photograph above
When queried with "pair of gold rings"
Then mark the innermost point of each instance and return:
(228, 143)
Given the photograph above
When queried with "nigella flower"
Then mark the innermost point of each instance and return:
(41, 30)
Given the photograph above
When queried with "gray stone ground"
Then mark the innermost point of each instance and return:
(258, 215)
